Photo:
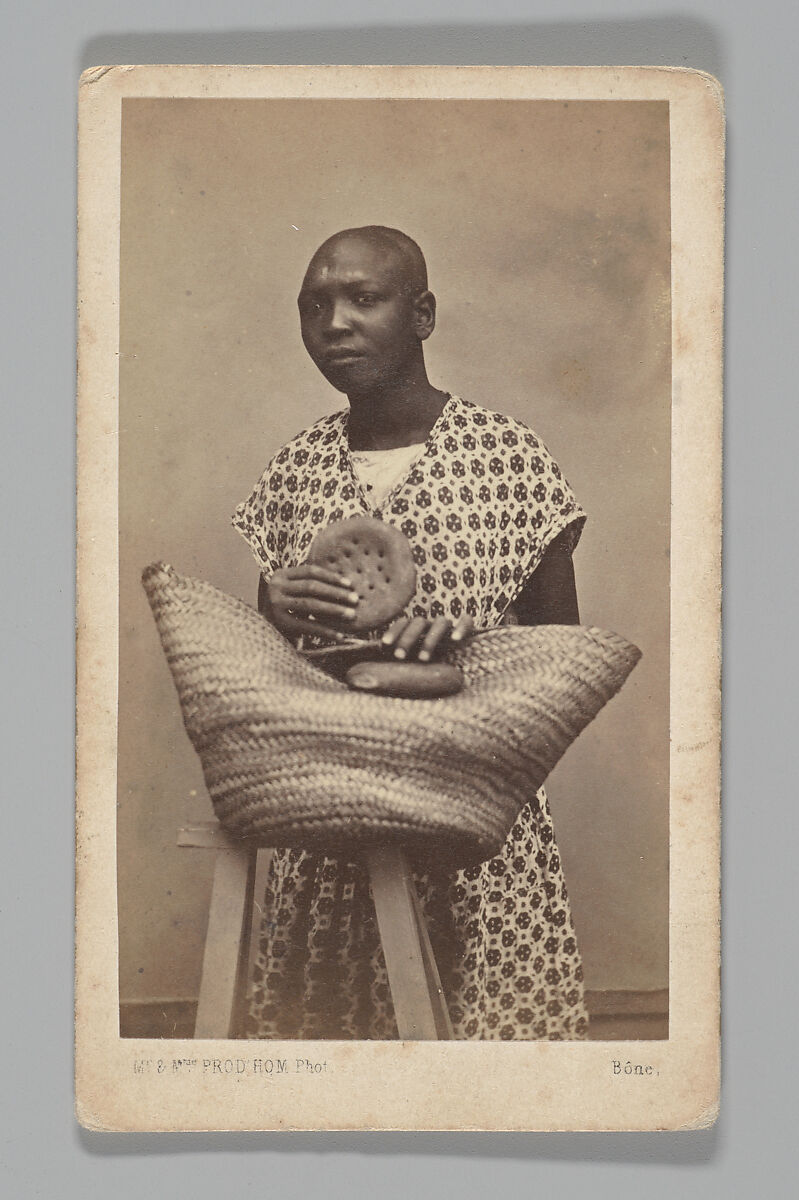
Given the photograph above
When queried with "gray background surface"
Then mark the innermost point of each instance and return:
(42, 1153)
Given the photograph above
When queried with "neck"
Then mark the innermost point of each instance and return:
(396, 414)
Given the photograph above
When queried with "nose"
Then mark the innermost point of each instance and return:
(339, 317)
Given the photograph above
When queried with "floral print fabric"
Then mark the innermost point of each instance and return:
(479, 505)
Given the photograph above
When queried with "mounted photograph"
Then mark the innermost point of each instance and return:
(399, 519)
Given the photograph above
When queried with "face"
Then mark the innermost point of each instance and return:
(359, 320)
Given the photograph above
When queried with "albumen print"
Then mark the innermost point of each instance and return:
(400, 393)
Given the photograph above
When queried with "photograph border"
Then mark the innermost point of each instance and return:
(416, 1085)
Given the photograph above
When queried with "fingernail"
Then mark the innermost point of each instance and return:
(346, 581)
(399, 653)
(424, 656)
(354, 597)
(348, 614)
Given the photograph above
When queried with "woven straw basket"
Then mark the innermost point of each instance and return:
(292, 757)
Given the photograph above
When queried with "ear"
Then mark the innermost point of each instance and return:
(424, 313)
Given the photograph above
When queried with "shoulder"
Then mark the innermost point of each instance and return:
(494, 430)
(322, 434)
(528, 478)
(279, 484)
(305, 448)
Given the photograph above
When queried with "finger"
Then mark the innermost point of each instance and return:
(463, 629)
(410, 636)
(295, 625)
(395, 629)
(302, 606)
(312, 571)
(438, 630)
(322, 591)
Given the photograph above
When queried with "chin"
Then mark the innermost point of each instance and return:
(352, 382)
(337, 383)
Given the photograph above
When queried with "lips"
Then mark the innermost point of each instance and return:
(342, 355)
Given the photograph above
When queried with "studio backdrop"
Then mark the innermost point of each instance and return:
(546, 231)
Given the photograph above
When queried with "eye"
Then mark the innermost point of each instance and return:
(366, 299)
(311, 308)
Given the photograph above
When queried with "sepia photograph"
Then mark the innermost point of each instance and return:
(398, 645)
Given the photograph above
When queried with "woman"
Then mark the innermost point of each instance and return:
(492, 524)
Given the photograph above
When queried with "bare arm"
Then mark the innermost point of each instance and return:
(263, 597)
(550, 595)
(549, 598)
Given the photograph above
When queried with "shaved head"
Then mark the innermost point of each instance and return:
(408, 258)
(365, 310)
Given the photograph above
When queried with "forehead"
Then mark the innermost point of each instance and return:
(352, 258)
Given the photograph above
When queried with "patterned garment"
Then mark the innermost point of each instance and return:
(479, 505)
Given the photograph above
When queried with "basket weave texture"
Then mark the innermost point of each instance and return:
(292, 757)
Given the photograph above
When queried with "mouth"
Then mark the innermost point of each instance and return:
(342, 355)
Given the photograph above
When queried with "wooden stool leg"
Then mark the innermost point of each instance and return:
(438, 999)
(419, 1004)
(225, 958)
(226, 955)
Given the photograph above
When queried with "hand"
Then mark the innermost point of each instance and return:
(301, 599)
(416, 636)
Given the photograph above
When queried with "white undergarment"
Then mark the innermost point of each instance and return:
(379, 471)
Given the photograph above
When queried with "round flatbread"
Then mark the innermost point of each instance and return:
(377, 559)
